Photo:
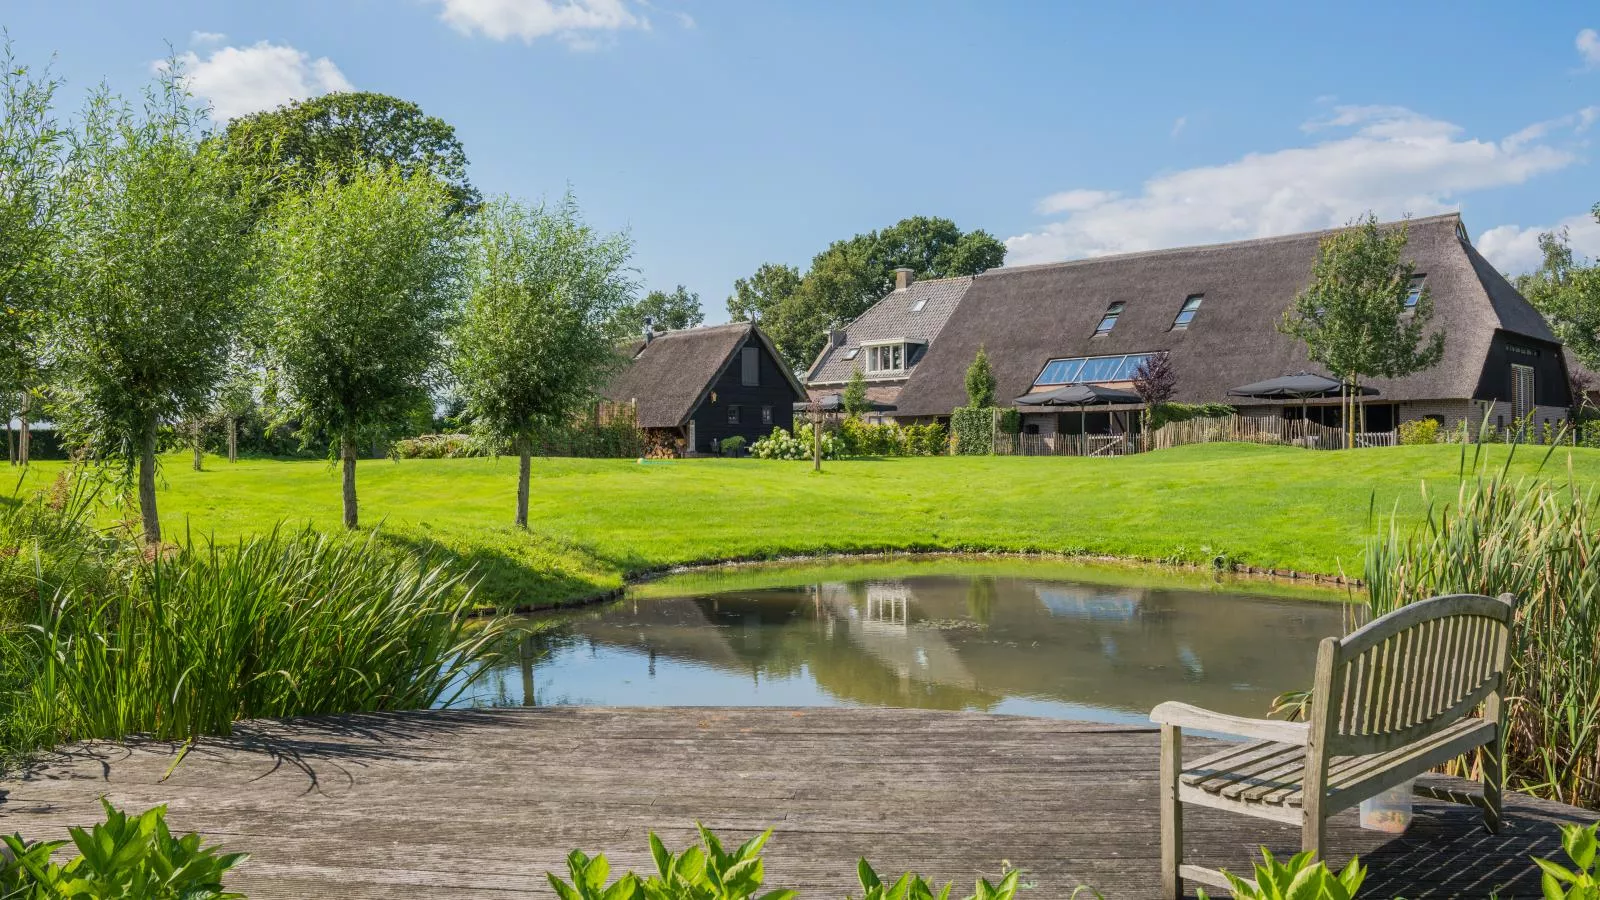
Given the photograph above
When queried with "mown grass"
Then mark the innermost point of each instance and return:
(593, 522)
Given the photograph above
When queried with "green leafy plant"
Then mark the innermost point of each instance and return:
(1419, 432)
(127, 857)
(1578, 883)
(973, 427)
(914, 887)
(1301, 878)
(705, 872)
(732, 445)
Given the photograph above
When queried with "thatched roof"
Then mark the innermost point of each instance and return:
(668, 376)
(915, 314)
(1026, 316)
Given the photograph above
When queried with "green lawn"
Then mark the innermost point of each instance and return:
(594, 521)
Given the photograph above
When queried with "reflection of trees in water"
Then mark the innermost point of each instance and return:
(980, 600)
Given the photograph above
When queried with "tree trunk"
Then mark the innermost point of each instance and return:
(233, 439)
(347, 447)
(147, 485)
(524, 471)
(25, 436)
(11, 438)
(199, 451)
(816, 440)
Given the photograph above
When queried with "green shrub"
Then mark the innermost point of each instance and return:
(125, 857)
(973, 428)
(864, 439)
(1578, 883)
(1589, 433)
(731, 446)
(932, 439)
(1011, 421)
(1301, 878)
(440, 446)
(1162, 413)
(707, 872)
(1419, 432)
(914, 887)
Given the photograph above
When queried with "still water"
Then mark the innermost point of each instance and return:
(1024, 645)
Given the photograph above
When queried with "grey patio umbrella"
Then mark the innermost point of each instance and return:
(1082, 396)
(1300, 386)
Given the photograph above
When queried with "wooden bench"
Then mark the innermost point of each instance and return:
(1391, 701)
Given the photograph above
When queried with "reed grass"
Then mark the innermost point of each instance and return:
(1539, 539)
(101, 638)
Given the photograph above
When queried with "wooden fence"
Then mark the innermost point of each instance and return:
(1228, 429)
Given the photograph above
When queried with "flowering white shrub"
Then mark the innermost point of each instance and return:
(781, 444)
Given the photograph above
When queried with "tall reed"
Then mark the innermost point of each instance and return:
(1539, 539)
(286, 624)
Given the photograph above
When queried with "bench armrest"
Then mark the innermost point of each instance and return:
(1186, 716)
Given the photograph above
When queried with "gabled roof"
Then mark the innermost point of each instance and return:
(1026, 316)
(669, 376)
(895, 317)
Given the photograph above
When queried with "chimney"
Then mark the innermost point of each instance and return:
(836, 338)
(903, 278)
(649, 329)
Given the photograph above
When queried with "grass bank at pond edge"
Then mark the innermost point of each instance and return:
(593, 523)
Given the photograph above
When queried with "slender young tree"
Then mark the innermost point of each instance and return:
(536, 339)
(31, 145)
(154, 262)
(1353, 317)
(1155, 381)
(980, 382)
(362, 273)
(854, 399)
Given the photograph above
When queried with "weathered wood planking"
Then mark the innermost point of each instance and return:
(481, 803)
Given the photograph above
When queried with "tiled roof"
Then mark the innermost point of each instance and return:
(892, 318)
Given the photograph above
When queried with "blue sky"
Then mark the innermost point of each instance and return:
(728, 134)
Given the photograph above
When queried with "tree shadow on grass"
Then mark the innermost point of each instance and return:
(506, 582)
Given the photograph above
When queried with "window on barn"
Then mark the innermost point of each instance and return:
(1186, 314)
(766, 415)
(750, 371)
(733, 415)
(1521, 391)
(1109, 321)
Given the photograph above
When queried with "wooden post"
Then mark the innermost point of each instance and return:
(1323, 717)
(25, 434)
(816, 436)
(1171, 813)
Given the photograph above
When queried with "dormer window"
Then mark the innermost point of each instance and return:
(1191, 305)
(1109, 321)
(886, 358)
(1414, 292)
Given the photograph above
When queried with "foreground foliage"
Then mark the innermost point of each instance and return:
(1579, 882)
(99, 639)
(1540, 541)
(126, 857)
(1301, 877)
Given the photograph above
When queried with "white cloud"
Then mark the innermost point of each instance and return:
(1074, 201)
(578, 23)
(1588, 43)
(240, 80)
(1516, 250)
(206, 38)
(1179, 124)
(1387, 159)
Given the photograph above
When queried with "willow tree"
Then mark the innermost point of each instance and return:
(30, 205)
(1354, 317)
(155, 258)
(536, 337)
(361, 274)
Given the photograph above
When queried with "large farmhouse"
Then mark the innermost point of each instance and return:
(1215, 309)
(692, 389)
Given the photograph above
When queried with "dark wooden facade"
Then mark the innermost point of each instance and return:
(758, 408)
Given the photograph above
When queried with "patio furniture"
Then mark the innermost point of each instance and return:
(1391, 701)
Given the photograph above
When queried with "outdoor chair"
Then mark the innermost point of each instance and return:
(1391, 701)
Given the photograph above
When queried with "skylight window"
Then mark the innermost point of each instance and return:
(917, 306)
(852, 353)
(1091, 369)
(1191, 305)
(1414, 293)
(1110, 319)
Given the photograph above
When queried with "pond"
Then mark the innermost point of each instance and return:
(1078, 642)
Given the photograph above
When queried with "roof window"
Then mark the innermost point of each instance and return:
(1109, 321)
(1191, 305)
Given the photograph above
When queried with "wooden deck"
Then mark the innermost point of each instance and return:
(483, 803)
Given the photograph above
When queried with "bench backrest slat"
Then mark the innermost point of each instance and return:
(1415, 671)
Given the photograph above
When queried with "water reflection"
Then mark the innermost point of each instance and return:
(1015, 645)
